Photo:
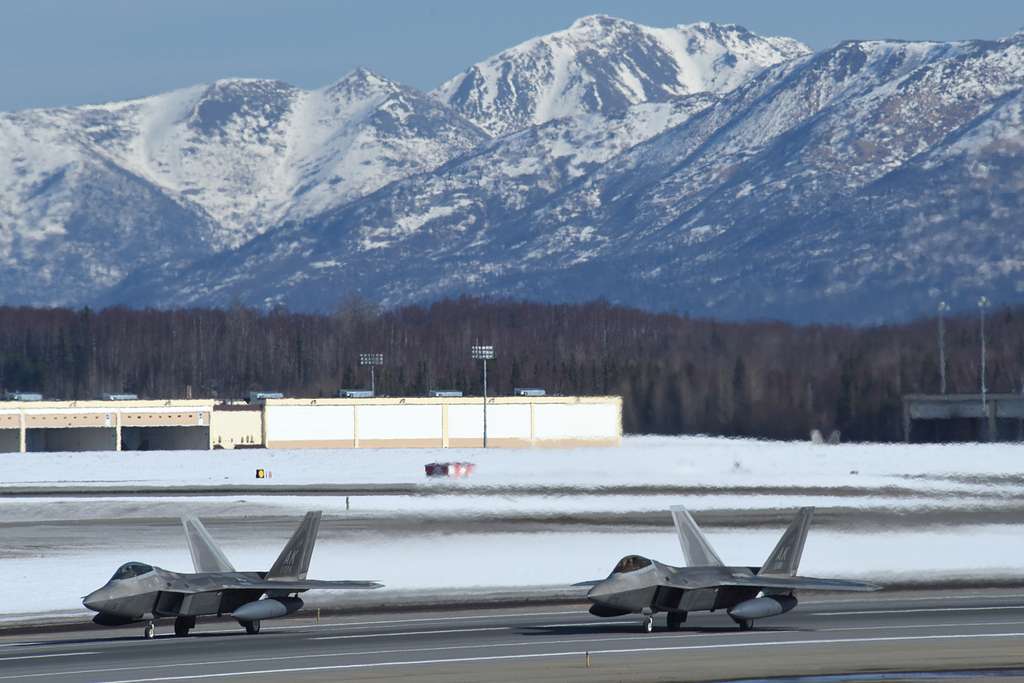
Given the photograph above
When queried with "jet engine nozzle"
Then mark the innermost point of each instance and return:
(269, 608)
(759, 608)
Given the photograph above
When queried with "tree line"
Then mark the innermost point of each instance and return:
(675, 374)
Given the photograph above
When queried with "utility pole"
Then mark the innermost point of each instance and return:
(483, 354)
(943, 307)
(983, 303)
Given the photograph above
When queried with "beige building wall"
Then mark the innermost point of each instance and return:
(236, 428)
(512, 422)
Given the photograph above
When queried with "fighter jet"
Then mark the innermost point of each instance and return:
(139, 592)
(638, 585)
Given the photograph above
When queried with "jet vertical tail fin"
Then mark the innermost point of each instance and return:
(293, 562)
(696, 549)
(206, 555)
(785, 559)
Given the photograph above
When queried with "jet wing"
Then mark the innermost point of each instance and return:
(223, 583)
(803, 583)
(775, 583)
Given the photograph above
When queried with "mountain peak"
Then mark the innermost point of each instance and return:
(598, 21)
(361, 84)
(603, 64)
(363, 77)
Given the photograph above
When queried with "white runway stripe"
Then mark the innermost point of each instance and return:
(413, 633)
(917, 609)
(54, 654)
(575, 653)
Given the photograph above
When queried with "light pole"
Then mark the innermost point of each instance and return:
(943, 307)
(983, 303)
(483, 354)
(372, 360)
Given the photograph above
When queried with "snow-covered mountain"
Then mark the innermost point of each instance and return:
(861, 183)
(204, 168)
(697, 168)
(601, 64)
(453, 204)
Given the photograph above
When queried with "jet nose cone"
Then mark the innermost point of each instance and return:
(599, 591)
(95, 600)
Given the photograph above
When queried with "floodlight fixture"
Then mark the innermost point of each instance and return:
(482, 352)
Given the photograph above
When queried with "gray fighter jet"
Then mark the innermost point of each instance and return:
(139, 592)
(638, 585)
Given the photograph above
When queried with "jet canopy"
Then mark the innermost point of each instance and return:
(631, 563)
(131, 570)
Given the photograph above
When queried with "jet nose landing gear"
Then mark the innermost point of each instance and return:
(149, 632)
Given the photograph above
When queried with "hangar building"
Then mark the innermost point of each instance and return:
(436, 422)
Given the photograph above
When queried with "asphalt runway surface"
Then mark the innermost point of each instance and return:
(962, 635)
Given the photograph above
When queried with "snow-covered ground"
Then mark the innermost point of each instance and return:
(939, 484)
(429, 562)
(639, 461)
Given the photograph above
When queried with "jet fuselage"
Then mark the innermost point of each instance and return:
(658, 587)
(150, 594)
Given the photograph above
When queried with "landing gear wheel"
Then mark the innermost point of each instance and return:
(252, 627)
(150, 631)
(647, 625)
(182, 625)
(746, 624)
(674, 620)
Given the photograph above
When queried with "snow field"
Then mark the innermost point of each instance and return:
(717, 474)
(639, 461)
(536, 560)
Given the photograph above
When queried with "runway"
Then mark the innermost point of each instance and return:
(969, 633)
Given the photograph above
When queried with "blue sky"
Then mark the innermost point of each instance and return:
(70, 52)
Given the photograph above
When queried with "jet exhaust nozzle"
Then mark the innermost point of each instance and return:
(759, 608)
(268, 608)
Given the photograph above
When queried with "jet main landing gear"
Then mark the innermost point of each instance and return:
(674, 620)
(746, 624)
(182, 625)
(252, 627)
(149, 632)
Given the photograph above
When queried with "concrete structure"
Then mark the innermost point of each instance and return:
(438, 422)
(512, 422)
(104, 425)
(1000, 418)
